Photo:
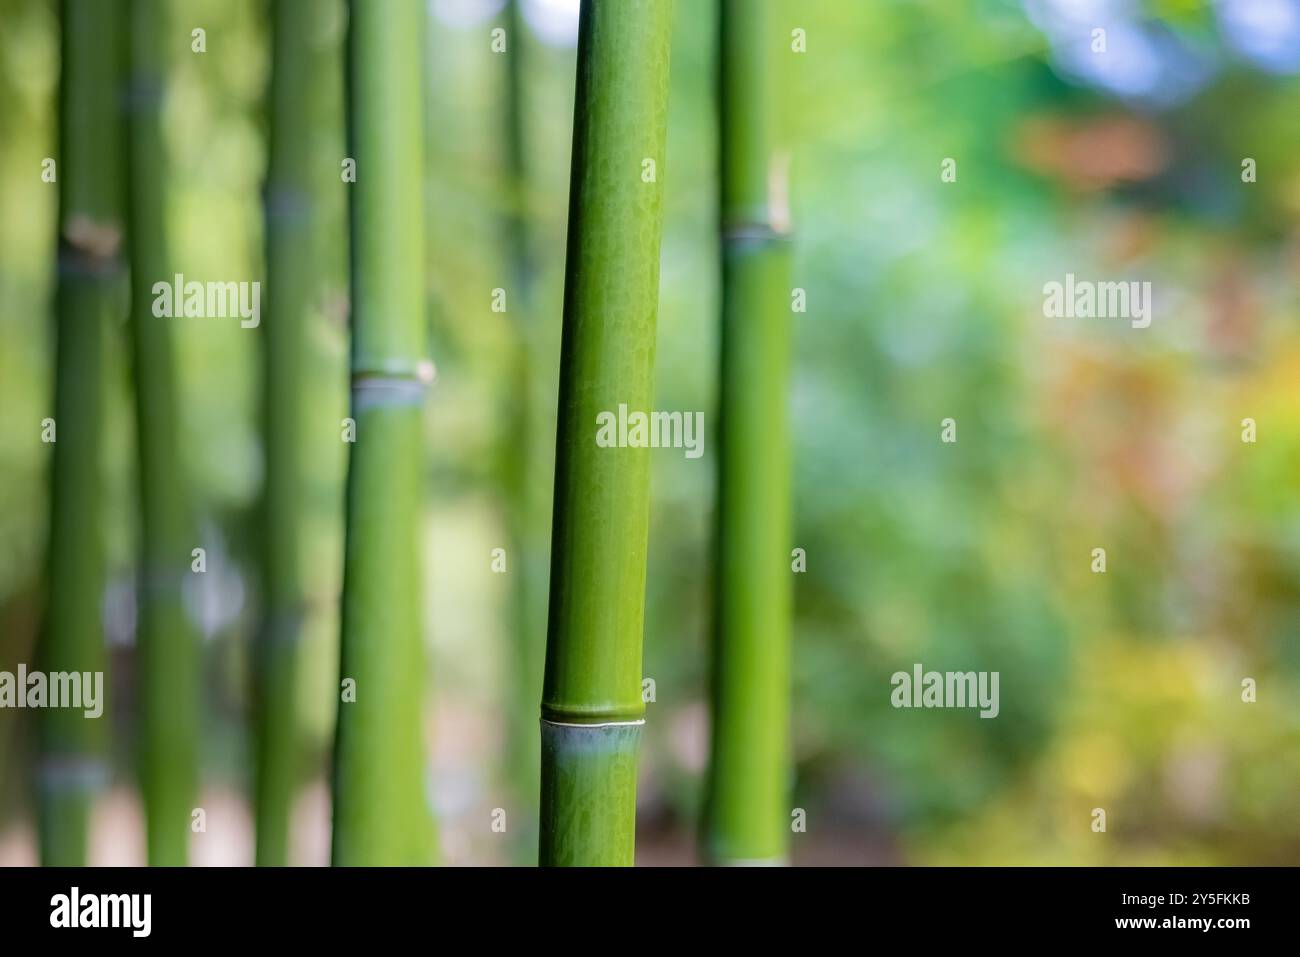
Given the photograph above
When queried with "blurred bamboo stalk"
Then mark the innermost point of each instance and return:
(746, 816)
(380, 812)
(89, 174)
(520, 486)
(592, 710)
(168, 651)
(292, 282)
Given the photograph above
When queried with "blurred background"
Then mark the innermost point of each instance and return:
(1120, 690)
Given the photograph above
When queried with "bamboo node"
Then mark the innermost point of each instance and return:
(287, 204)
(630, 722)
(753, 233)
(90, 248)
(372, 390)
(61, 773)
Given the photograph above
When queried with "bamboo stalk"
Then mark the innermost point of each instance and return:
(89, 273)
(380, 815)
(520, 490)
(746, 805)
(592, 710)
(167, 644)
(292, 279)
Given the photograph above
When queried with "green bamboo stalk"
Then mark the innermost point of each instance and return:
(167, 645)
(380, 814)
(517, 226)
(292, 281)
(527, 660)
(592, 710)
(746, 806)
(89, 273)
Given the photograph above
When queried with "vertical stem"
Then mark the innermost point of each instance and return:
(514, 131)
(592, 710)
(747, 808)
(380, 812)
(527, 648)
(292, 281)
(168, 647)
(89, 269)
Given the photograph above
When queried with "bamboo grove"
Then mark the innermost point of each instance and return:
(571, 736)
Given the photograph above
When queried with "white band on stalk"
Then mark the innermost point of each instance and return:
(594, 724)
(392, 385)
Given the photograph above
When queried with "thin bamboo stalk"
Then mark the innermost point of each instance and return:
(592, 710)
(380, 814)
(167, 645)
(520, 487)
(89, 274)
(292, 280)
(746, 805)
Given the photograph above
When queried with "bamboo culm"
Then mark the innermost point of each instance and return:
(381, 815)
(87, 296)
(747, 808)
(592, 709)
(292, 284)
(167, 644)
(520, 489)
